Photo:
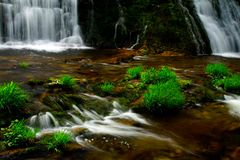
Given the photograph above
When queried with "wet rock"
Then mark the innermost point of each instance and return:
(78, 130)
(37, 107)
(98, 104)
(73, 147)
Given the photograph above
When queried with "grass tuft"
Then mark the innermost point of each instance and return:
(149, 76)
(12, 97)
(134, 72)
(107, 87)
(57, 141)
(17, 134)
(164, 96)
(67, 81)
(232, 83)
(24, 65)
(217, 70)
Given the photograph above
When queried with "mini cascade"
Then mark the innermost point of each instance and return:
(221, 19)
(39, 22)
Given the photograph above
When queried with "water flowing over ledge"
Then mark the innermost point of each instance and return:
(40, 25)
(221, 19)
(82, 123)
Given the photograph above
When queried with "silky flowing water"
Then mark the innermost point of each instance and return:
(40, 25)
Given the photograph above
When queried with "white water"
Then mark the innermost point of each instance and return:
(114, 124)
(233, 103)
(40, 25)
(221, 19)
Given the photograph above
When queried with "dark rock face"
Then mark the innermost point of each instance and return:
(159, 25)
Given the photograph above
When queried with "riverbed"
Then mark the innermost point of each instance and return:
(203, 131)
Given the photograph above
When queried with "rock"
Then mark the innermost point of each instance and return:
(73, 147)
(78, 130)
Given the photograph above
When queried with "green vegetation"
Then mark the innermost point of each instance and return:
(221, 77)
(134, 72)
(17, 134)
(232, 83)
(12, 97)
(149, 76)
(57, 141)
(153, 75)
(166, 74)
(164, 96)
(67, 81)
(217, 70)
(185, 83)
(107, 87)
(24, 65)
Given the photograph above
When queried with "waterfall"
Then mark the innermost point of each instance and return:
(39, 21)
(221, 19)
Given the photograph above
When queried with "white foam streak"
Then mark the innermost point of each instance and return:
(233, 103)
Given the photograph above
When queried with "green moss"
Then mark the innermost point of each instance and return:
(185, 83)
(17, 134)
(12, 97)
(164, 96)
(57, 141)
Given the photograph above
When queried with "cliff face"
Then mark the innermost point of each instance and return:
(159, 25)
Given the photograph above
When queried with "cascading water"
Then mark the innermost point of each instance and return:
(82, 122)
(40, 22)
(221, 19)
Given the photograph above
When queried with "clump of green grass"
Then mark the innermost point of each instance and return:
(217, 70)
(232, 83)
(107, 87)
(134, 72)
(57, 141)
(154, 75)
(162, 96)
(165, 74)
(12, 97)
(221, 77)
(149, 76)
(67, 81)
(24, 65)
(17, 134)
